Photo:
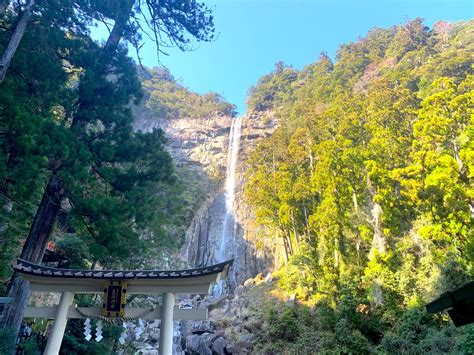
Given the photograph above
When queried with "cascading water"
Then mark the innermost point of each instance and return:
(230, 221)
(229, 225)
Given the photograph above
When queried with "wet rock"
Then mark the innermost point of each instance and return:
(239, 290)
(217, 313)
(155, 334)
(204, 234)
(186, 304)
(203, 327)
(249, 282)
(149, 351)
(199, 344)
(231, 349)
(196, 299)
(177, 350)
(204, 350)
(192, 343)
(208, 338)
(219, 345)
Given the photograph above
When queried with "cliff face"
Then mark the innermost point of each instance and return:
(250, 252)
(265, 254)
(200, 146)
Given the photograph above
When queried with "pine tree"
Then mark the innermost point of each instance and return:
(100, 167)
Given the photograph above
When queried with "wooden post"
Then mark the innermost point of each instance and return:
(166, 328)
(59, 325)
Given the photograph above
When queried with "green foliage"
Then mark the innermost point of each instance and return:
(7, 339)
(70, 160)
(465, 342)
(165, 98)
(272, 89)
(283, 326)
(367, 182)
(30, 347)
(65, 112)
(30, 131)
(419, 332)
(353, 328)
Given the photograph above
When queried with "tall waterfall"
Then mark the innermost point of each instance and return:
(229, 225)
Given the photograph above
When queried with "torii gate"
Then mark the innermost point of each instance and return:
(116, 284)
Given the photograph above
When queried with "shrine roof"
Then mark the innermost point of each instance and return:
(26, 267)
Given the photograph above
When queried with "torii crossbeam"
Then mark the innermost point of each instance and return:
(116, 284)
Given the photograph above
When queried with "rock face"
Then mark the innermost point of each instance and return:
(203, 236)
(257, 254)
(199, 144)
(251, 255)
(202, 145)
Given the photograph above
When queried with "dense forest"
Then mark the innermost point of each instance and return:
(78, 185)
(166, 98)
(368, 183)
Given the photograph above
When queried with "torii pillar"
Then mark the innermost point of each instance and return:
(59, 326)
(167, 325)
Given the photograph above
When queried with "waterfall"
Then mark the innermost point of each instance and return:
(229, 225)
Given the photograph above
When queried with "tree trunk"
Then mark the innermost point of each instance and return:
(33, 251)
(289, 242)
(378, 244)
(120, 23)
(15, 39)
(38, 237)
(12, 314)
(354, 201)
(287, 256)
(378, 241)
(47, 212)
(297, 239)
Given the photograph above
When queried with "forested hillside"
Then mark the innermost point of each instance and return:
(166, 98)
(368, 181)
(361, 167)
(76, 181)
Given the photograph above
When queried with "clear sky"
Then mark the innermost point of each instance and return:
(255, 34)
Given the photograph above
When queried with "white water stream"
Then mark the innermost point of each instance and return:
(229, 225)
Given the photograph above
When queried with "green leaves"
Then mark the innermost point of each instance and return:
(369, 177)
(167, 98)
(65, 110)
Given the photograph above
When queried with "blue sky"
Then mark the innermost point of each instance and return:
(255, 34)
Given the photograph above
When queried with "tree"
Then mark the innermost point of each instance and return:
(99, 150)
(173, 19)
(15, 39)
(370, 172)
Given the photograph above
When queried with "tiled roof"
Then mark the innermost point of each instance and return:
(26, 267)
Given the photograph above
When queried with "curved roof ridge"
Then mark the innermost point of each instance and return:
(26, 267)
